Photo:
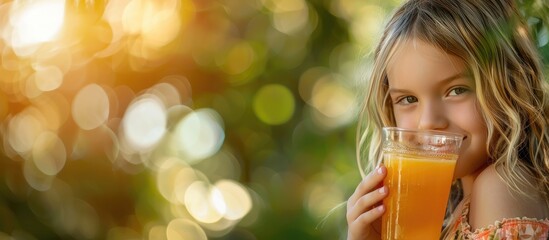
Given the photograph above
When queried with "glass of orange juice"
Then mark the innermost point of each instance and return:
(420, 168)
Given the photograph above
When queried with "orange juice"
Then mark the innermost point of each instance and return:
(418, 193)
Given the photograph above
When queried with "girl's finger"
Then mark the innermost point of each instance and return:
(365, 203)
(356, 228)
(368, 184)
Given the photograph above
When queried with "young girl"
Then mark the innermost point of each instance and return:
(467, 67)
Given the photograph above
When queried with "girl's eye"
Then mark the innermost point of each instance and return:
(407, 100)
(457, 91)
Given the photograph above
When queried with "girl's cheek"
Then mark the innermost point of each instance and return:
(405, 120)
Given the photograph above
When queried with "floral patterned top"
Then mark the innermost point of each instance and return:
(506, 229)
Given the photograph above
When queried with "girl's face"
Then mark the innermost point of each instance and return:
(430, 89)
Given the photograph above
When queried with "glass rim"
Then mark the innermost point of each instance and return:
(424, 132)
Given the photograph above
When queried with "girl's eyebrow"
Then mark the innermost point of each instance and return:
(441, 82)
(396, 90)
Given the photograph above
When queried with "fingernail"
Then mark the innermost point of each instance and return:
(381, 208)
(380, 170)
(382, 190)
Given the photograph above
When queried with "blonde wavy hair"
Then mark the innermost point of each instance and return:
(492, 39)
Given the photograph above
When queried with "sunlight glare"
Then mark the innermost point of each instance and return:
(157, 23)
(36, 22)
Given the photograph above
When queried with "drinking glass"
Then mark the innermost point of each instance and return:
(420, 168)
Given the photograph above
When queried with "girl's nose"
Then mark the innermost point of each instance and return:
(433, 117)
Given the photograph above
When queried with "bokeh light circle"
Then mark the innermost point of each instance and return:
(236, 199)
(24, 128)
(202, 202)
(239, 59)
(36, 178)
(144, 123)
(90, 107)
(49, 154)
(199, 135)
(274, 104)
(173, 178)
(48, 78)
(332, 99)
(185, 229)
(158, 232)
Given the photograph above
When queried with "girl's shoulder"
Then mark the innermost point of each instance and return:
(493, 200)
(503, 229)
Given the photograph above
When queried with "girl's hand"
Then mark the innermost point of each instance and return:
(364, 207)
